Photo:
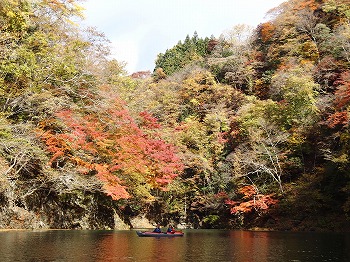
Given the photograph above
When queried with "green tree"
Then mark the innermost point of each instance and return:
(191, 50)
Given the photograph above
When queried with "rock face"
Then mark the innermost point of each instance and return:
(42, 200)
(60, 201)
(18, 218)
(45, 208)
(141, 222)
(62, 215)
(58, 216)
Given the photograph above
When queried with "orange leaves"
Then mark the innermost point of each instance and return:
(260, 202)
(343, 92)
(55, 145)
(247, 191)
(153, 157)
(253, 201)
(338, 119)
(342, 102)
(267, 31)
(149, 121)
(112, 185)
(310, 4)
(141, 74)
(111, 144)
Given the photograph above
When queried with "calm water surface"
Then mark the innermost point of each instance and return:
(196, 245)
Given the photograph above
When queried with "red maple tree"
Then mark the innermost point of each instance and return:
(251, 200)
(111, 144)
(341, 102)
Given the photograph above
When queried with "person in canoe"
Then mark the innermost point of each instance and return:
(170, 230)
(157, 229)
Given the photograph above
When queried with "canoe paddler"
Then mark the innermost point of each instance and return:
(157, 229)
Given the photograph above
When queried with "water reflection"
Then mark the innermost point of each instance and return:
(250, 246)
(196, 245)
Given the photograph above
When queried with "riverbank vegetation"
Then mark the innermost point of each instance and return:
(250, 129)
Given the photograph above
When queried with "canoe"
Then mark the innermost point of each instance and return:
(162, 234)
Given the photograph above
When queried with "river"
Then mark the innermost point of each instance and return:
(195, 245)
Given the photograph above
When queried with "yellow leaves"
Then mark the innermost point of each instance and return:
(139, 188)
(15, 14)
(200, 88)
(159, 74)
(194, 102)
(105, 143)
(296, 139)
(253, 111)
(78, 8)
(66, 7)
(10, 14)
(341, 159)
(200, 78)
(341, 7)
(309, 50)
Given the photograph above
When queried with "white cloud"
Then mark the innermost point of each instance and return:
(139, 30)
(126, 47)
(126, 51)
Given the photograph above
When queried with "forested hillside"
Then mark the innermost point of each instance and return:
(250, 129)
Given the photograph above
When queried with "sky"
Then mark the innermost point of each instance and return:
(141, 29)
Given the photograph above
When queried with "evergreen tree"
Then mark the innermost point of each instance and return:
(191, 50)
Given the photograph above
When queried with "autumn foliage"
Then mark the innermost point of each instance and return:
(342, 102)
(311, 4)
(343, 92)
(114, 146)
(250, 201)
(266, 108)
(267, 30)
